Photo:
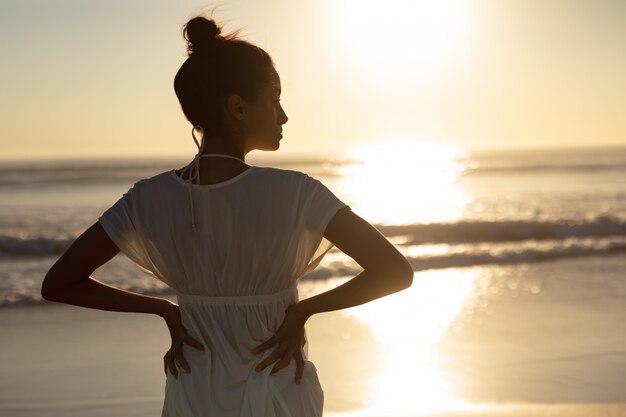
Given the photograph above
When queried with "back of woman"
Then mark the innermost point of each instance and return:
(234, 275)
(232, 240)
(257, 233)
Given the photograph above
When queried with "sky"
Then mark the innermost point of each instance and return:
(95, 78)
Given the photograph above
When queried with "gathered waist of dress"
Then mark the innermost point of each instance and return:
(290, 293)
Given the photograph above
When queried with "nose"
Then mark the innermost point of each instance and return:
(282, 117)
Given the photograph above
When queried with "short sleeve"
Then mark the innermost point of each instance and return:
(121, 223)
(320, 206)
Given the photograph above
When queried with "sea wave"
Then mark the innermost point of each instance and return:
(460, 256)
(33, 298)
(33, 246)
(414, 234)
(542, 168)
(470, 256)
(473, 231)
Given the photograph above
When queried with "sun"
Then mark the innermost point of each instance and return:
(409, 36)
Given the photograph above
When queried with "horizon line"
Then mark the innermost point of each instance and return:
(302, 155)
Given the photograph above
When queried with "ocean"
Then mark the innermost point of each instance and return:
(480, 208)
(518, 296)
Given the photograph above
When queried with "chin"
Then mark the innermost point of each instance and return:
(270, 147)
(274, 145)
(269, 142)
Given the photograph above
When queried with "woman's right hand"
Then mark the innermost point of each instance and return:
(290, 338)
(179, 336)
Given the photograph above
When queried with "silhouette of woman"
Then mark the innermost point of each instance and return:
(232, 240)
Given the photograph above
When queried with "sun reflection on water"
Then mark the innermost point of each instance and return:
(409, 324)
(405, 181)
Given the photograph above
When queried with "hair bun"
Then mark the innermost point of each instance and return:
(200, 34)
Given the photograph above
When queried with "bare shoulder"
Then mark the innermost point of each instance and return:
(360, 240)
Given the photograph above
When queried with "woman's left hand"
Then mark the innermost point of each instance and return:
(179, 335)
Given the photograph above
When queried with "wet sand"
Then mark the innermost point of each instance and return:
(60, 360)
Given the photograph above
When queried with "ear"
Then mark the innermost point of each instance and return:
(235, 105)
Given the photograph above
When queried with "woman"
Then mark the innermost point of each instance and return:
(232, 240)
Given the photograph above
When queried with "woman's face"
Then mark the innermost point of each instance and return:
(264, 121)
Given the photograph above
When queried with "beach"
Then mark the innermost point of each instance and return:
(516, 307)
(538, 355)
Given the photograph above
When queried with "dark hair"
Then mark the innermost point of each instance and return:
(216, 67)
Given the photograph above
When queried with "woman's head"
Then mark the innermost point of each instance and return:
(229, 85)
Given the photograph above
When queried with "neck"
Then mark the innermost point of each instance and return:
(219, 145)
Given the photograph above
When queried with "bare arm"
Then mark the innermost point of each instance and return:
(386, 270)
(69, 281)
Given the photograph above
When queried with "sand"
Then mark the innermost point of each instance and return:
(61, 360)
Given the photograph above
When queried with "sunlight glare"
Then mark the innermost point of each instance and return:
(412, 36)
(404, 181)
(410, 324)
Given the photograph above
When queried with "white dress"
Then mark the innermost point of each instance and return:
(257, 234)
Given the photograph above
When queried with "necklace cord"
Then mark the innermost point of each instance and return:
(194, 170)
